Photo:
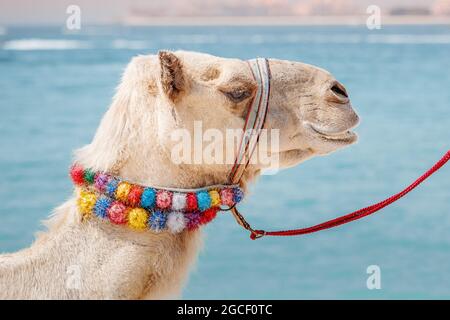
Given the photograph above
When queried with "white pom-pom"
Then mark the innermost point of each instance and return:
(178, 201)
(176, 222)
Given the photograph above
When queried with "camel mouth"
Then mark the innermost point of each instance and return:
(345, 136)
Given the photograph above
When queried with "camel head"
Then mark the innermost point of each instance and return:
(308, 105)
(310, 109)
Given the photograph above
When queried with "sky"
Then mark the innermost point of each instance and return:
(26, 12)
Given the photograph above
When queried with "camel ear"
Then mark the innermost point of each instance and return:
(173, 82)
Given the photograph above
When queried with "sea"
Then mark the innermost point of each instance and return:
(56, 84)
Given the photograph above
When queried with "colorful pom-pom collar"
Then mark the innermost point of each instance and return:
(139, 207)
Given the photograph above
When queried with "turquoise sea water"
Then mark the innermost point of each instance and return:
(55, 86)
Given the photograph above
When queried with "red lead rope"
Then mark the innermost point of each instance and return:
(357, 214)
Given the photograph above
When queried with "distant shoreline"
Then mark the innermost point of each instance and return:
(254, 21)
(282, 20)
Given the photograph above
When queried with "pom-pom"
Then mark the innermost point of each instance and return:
(86, 203)
(111, 187)
(134, 196)
(163, 199)
(89, 176)
(178, 201)
(193, 220)
(122, 191)
(208, 215)
(137, 218)
(203, 200)
(191, 202)
(101, 207)
(215, 198)
(77, 174)
(148, 198)
(238, 195)
(226, 196)
(101, 181)
(117, 213)
(176, 222)
(157, 221)
(126, 203)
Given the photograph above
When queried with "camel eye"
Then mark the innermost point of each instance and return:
(237, 95)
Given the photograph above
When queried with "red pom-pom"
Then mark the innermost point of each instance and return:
(134, 196)
(208, 215)
(77, 174)
(191, 202)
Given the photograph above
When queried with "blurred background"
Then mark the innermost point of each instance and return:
(57, 81)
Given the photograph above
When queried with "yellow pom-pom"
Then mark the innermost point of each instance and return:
(123, 189)
(215, 198)
(86, 203)
(137, 218)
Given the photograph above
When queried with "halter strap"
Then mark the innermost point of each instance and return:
(358, 214)
(255, 118)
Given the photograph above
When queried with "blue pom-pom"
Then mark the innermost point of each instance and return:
(111, 187)
(101, 207)
(148, 198)
(203, 200)
(157, 221)
(238, 195)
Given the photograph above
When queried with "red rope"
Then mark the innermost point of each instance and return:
(357, 214)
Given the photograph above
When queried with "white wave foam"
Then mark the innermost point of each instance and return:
(345, 39)
(304, 38)
(130, 44)
(191, 39)
(44, 44)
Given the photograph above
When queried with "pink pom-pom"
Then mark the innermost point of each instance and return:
(163, 199)
(226, 196)
(117, 213)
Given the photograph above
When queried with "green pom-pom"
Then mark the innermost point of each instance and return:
(89, 176)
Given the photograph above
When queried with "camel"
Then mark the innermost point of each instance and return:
(94, 259)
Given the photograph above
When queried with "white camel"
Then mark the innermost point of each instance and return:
(158, 94)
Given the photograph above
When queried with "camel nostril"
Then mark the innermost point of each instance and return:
(339, 90)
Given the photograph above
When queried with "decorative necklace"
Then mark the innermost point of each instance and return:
(124, 203)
